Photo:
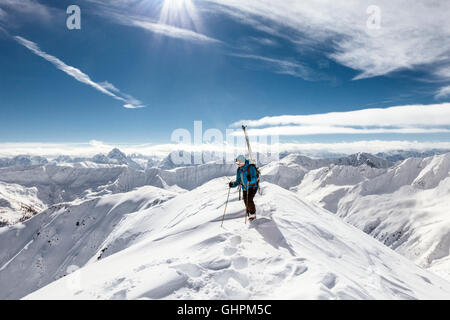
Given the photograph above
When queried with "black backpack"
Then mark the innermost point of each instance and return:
(258, 173)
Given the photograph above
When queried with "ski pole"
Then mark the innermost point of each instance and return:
(226, 203)
(246, 206)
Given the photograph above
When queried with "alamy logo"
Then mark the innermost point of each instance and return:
(212, 145)
(73, 21)
(374, 20)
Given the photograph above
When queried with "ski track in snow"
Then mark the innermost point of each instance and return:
(24, 248)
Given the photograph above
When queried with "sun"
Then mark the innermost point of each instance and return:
(180, 13)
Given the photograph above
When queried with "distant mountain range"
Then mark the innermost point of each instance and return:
(141, 162)
(400, 155)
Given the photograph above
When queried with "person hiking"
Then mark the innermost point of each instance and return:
(247, 177)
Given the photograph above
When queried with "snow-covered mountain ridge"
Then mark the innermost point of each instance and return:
(405, 206)
(64, 183)
(174, 248)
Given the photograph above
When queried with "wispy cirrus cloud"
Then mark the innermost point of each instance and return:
(175, 19)
(443, 92)
(104, 87)
(13, 12)
(264, 41)
(341, 29)
(280, 66)
(170, 31)
(2, 14)
(400, 119)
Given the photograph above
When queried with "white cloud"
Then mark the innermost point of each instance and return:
(443, 92)
(31, 7)
(279, 66)
(104, 87)
(411, 34)
(403, 117)
(2, 14)
(265, 41)
(91, 148)
(109, 86)
(314, 130)
(443, 72)
(171, 31)
(132, 106)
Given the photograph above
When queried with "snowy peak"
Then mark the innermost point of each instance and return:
(435, 169)
(305, 162)
(100, 158)
(118, 155)
(362, 158)
(400, 155)
(22, 160)
(290, 170)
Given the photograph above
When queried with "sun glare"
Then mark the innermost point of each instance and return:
(180, 13)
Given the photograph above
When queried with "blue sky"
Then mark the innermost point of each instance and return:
(150, 67)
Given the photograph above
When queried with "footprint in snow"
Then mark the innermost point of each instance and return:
(240, 262)
(216, 264)
(234, 290)
(229, 251)
(189, 269)
(234, 241)
(329, 280)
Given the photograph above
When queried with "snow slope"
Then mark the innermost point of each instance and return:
(52, 184)
(177, 250)
(290, 170)
(39, 251)
(18, 203)
(405, 207)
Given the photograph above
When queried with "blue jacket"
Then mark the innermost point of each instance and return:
(241, 177)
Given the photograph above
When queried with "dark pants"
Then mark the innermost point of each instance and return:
(250, 205)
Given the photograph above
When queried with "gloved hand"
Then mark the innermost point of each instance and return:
(230, 184)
